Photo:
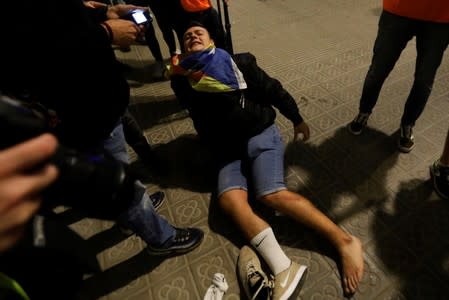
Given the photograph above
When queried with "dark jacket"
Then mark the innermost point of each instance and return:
(54, 52)
(227, 120)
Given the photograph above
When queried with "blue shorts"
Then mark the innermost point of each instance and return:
(263, 166)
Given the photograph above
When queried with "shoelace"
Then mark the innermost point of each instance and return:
(182, 235)
(252, 272)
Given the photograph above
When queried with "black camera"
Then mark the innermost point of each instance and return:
(139, 16)
(93, 181)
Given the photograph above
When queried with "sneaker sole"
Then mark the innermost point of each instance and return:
(435, 187)
(297, 283)
(404, 149)
(156, 252)
(352, 131)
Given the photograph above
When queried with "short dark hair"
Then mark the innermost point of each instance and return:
(195, 24)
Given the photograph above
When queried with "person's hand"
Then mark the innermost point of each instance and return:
(302, 129)
(121, 10)
(94, 4)
(23, 176)
(124, 32)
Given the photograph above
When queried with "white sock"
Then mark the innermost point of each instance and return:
(266, 244)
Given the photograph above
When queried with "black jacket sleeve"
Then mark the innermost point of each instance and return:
(267, 89)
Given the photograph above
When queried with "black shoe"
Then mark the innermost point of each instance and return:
(157, 198)
(440, 179)
(185, 240)
(125, 49)
(357, 125)
(406, 141)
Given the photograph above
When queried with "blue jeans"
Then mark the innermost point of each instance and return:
(394, 33)
(264, 164)
(140, 216)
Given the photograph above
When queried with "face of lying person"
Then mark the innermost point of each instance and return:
(196, 39)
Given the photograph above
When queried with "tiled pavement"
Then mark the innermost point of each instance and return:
(320, 51)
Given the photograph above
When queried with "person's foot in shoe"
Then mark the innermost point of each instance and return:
(440, 179)
(185, 240)
(406, 140)
(253, 279)
(286, 282)
(357, 125)
(125, 49)
(157, 199)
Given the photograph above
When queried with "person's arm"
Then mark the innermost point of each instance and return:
(23, 176)
(94, 4)
(121, 32)
(270, 91)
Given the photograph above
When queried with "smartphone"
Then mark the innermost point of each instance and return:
(140, 17)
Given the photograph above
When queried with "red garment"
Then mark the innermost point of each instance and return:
(195, 5)
(426, 10)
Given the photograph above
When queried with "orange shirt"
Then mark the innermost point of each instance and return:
(426, 10)
(196, 5)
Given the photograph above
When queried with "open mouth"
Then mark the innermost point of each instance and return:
(195, 43)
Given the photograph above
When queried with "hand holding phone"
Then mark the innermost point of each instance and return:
(140, 16)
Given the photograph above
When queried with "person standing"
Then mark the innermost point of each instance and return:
(439, 172)
(400, 21)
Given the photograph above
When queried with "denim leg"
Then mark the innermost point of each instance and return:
(431, 41)
(266, 154)
(140, 216)
(393, 34)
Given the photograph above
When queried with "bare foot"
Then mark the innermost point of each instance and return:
(352, 263)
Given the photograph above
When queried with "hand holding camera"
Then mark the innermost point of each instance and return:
(20, 189)
(122, 32)
(91, 180)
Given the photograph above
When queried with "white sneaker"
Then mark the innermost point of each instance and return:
(253, 279)
(286, 282)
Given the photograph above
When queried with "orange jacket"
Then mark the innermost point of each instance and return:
(426, 10)
(195, 5)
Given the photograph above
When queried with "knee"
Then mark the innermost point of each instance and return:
(273, 199)
(230, 202)
(281, 199)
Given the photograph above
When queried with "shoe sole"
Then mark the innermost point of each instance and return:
(435, 187)
(404, 149)
(352, 131)
(178, 251)
(296, 284)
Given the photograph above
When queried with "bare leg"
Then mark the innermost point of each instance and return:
(349, 247)
(235, 204)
